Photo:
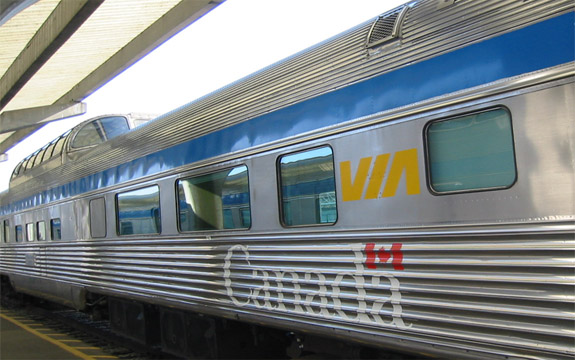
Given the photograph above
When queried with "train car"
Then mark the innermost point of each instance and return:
(407, 186)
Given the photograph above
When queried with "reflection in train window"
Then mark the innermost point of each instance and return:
(56, 229)
(30, 233)
(100, 130)
(307, 182)
(19, 234)
(471, 152)
(139, 211)
(215, 201)
(41, 230)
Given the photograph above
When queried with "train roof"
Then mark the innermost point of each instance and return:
(414, 33)
(80, 138)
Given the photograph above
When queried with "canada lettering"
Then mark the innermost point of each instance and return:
(376, 294)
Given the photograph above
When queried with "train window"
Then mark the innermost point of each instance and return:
(114, 126)
(18, 232)
(56, 229)
(41, 230)
(49, 151)
(5, 231)
(38, 159)
(30, 232)
(307, 186)
(59, 145)
(17, 169)
(98, 218)
(471, 152)
(28, 164)
(139, 211)
(89, 135)
(215, 201)
(34, 160)
(100, 130)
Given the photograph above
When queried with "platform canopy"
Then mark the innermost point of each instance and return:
(55, 53)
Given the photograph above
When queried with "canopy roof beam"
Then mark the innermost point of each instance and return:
(24, 118)
(66, 18)
(175, 20)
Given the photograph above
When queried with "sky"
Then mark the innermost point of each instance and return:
(237, 38)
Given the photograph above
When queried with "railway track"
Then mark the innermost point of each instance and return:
(80, 326)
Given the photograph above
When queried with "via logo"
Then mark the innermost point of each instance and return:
(403, 162)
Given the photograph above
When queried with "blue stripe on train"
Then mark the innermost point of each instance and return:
(539, 46)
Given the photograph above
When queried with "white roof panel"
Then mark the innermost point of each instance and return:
(55, 53)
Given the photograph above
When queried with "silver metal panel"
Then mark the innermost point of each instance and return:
(55, 291)
(512, 289)
(98, 217)
(546, 176)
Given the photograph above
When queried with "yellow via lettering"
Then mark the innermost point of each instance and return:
(352, 190)
(404, 162)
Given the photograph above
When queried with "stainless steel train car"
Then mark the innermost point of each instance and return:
(407, 185)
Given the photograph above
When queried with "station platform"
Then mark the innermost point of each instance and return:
(26, 339)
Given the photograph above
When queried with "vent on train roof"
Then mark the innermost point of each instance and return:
(387, 27)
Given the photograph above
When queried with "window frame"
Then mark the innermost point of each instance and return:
(41, 224)
(117, 212)
(16, 171)
(53, 227)
(99, 127)
(200, 174)
(30, 232)
(280, 193)
(426, 145)
(5, 231)
(59, 144)
(18, 233)
(48, 153)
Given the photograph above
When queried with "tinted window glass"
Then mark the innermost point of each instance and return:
(38, 158)
(41, 230)
(55, 229)
(215, 201)
(29, 162)
(100, 130)
(30, 233)
(472, 152)
(17, 169)
(48, 152)
(139, 211)
(308, 188)
(19, 235)
(114, 126)
(90, 134)
(59, 145)
(5, 231)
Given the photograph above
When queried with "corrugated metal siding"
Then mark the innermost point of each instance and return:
(513, 288)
